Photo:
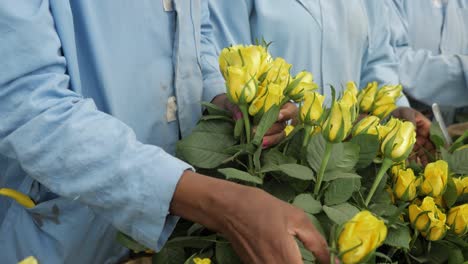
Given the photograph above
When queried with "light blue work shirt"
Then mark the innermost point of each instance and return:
(337, 40)
(84, 125)
(431, 40)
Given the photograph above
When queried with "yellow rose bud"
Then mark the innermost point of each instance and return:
(384, 110)
(288, 129)
(254, 58)
(405, 185)
(435, 178)
(278, 72)
(29, 260)
(271, 95)
(367, 95)
(311, 109)
(351, 86)
(399, 142)
(428, 219)
(465, 184)
(242, 87)
(201, 261)
(339, 122)
(458, 219)
(460, 186)
(396, 169)
(361, 235)
(368, 125)
(305, 85)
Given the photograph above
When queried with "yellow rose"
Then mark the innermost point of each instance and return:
(396, 169)
(288, 129)
(399, 142)
(242, 87)
(435, 178)
(340, 119)
(201, 261)
(278, 72)
(361, 235)
(254, 58)
(428, 219)
(29, 260)
(368, 125)
(271, 95)
(440, 202)
(384, 110)
(367, 95)
(305, 84)
(385, 100)
(458, 219)
(460, 186)
(465, 184)
(311, 109)
(405, 185)
(351, 86)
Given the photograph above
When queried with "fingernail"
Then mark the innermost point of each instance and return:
(265, 143)
(337, 261)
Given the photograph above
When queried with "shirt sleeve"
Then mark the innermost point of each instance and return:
(427, 77)
(213, 81)
(62, 141)
(381, 62)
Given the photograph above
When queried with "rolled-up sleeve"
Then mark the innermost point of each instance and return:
(65, 143)
(427, 77)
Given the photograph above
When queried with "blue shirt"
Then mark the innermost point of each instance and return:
(337, 40)
(431, 40)
(85, 127)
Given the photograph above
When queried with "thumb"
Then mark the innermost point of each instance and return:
(314, 241)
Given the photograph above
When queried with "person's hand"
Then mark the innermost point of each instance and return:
(260, 227)
(423, 144)
(276, 133)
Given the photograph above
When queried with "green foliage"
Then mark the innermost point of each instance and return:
(308, 203)
(238, 175)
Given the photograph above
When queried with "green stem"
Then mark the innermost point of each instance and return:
(386, 164)
(305, 143)
(245, 116)
(323, 166)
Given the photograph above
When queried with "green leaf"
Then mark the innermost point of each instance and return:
(170, 256)
(335, 175)
(436, 135)
(316, 223)
(239, 128)
(276, 157)
(129, 242)
(398, 237)
(234, 174)
(458, 161)
(369, 148)
(450, 195)
(268, 119)
(340, 190)
(225, 254)
(307, 203)
(306, 254)
(297, 171)
(384, 209)
(459, 142)
(340, 213)
(216, 110)
(344, 155)
(279, 190)
(205, 147)
(455, 256)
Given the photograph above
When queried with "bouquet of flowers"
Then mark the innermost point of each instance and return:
(345, 165)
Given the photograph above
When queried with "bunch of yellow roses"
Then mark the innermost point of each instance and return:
(428, 210)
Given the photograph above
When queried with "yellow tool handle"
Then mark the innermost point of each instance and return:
(20, 198)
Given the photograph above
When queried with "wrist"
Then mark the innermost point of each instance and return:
(206, 200)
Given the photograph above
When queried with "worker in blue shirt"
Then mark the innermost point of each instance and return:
(431, 40)
(94, 95)
(337, 40)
